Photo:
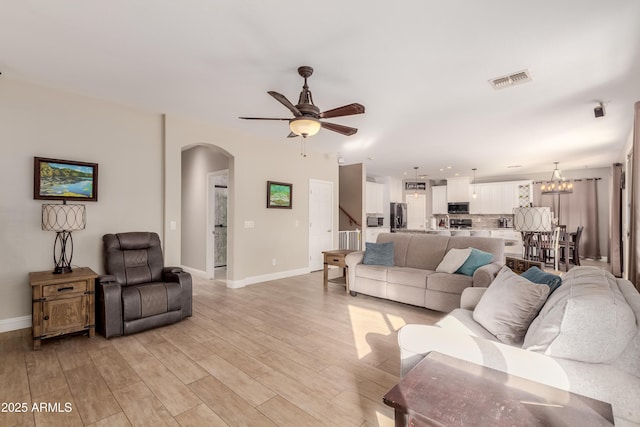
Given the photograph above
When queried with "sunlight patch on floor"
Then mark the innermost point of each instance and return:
(365, 322)
(384, 421)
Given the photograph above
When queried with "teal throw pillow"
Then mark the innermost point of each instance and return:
(535, 275)
(378, 254)
(476, 259)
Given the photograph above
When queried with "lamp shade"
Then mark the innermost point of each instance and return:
(63, 217)
(532, 219)
(305, 126)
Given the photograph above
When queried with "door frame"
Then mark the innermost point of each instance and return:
(332, 215)
(211, 219)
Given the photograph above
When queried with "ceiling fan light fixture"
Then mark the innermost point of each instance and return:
(305, 126)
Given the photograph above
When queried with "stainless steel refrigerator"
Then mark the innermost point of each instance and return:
(398, 219)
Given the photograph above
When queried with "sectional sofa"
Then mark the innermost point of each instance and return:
(412, 279)
(585, 339)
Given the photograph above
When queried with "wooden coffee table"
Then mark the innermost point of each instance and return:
(336, 257)
(444, 391)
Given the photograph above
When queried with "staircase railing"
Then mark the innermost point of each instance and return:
(352, 220)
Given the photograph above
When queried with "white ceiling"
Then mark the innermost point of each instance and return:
(421, 68)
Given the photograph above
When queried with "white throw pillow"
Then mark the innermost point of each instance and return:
(453, 260)
(509, 306)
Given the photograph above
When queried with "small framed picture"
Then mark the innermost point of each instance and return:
(279, 195)
(55, 179)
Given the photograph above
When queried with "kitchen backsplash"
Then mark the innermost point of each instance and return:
(478, 221)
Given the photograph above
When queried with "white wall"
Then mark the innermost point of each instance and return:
(277, 233)
(197, 163)
(43, 122)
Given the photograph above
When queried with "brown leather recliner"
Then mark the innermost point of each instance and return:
(138, 292)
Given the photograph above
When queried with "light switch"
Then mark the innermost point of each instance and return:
(248, 224)
(173, 225)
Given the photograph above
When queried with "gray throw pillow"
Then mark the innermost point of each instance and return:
(509, 306)
(378, 254)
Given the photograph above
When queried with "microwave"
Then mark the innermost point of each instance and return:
(375, 221)
(458, 208)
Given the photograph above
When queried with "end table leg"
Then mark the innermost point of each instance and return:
(326, 275)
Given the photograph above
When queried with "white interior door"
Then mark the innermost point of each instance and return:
(320, 221)
(416, 211)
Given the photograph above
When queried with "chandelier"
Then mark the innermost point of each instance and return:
(557, 184)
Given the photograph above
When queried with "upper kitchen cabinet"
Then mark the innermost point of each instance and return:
(439, 199)
(458, 189)
(374, 198)
(500, 197)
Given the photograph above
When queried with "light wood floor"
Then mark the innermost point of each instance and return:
(283, 353)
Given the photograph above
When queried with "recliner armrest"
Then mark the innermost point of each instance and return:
(109, 308)
(106, 278)
(177, 274)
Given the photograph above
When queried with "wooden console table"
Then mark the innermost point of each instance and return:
(336, 257)
(62, 303)
(444, 391)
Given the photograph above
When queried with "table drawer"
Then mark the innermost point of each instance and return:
(335, 260)
(63, 289)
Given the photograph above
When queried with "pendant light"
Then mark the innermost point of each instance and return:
(557, 184)
(474, 195)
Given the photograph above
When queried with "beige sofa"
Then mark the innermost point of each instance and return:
(413, 279)
(593, 349)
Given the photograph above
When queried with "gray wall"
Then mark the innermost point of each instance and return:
(43, 122)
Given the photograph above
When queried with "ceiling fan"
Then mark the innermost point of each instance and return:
(306, 121)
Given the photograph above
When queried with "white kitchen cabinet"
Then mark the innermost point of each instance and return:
(439, 200)
(500, 197)
(374, 197)
(458, 189)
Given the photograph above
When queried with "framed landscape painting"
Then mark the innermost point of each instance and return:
(279, 195)
(55, 179)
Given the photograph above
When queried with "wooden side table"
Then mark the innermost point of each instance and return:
(336, 257)
(62, 303)
(444, 391)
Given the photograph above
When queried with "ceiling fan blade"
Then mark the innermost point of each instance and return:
(345, 130)
(292, 135)
(262, 118)
(345, 110)
(284, 101)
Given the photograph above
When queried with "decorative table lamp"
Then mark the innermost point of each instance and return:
(63, 219)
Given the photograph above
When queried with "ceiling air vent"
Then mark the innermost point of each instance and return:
(520, 77)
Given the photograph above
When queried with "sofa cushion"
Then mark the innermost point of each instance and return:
(374, 272)
(586, 319)
(536, 275)
(476, 259)
(426, 251)
(509, 306)
(401, 244)
(451, 283)
(453, 260)
(378, 254)
(407, 276)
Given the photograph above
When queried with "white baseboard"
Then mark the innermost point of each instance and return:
(195, 272)
(235, 284)
(15, 323)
